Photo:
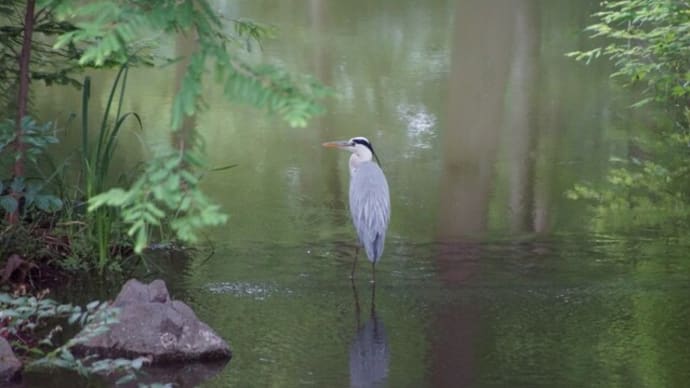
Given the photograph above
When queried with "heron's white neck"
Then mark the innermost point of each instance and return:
(360, 154)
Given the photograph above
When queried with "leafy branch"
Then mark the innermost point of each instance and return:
(649, 43)
(169, 187)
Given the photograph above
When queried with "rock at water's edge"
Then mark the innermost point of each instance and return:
(10, 366)
(151, 324)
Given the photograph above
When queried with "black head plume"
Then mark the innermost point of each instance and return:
(365, 142)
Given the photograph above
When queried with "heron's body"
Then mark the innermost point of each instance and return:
(369, 207)
(369, 198)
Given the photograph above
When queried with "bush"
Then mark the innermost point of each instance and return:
(649, 43)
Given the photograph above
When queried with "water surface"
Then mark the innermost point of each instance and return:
(490, 276)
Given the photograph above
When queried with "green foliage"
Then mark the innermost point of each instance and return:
(167, 184)
(47, 64)
(167, 193)
(643, 191)
(93, 238)
(168, 190)
(22, 318)
(96, 159)
(36, 139)
(32, 197)
(108, 30)
(636, 193)
(649, 42)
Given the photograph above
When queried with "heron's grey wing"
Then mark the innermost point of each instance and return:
(370, 207)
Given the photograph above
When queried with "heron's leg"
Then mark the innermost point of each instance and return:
(354, 263)
(373, 272)
(373, 300)
(356, 296)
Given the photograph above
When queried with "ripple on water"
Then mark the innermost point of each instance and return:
(257, 291)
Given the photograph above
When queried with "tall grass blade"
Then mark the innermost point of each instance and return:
(112, 140)
(85, 96)
(103, 130)
(97, 158)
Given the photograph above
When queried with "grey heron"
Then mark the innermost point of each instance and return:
(370, 204)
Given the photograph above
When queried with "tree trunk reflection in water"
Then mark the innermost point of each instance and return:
(521, 125)
(482, 51)
(480, 67)
(322, 67)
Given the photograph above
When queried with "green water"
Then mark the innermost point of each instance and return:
(490, 276)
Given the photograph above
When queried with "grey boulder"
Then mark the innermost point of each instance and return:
(150, 324)
(10, 366)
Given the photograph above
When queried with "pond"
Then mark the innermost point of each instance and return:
(490, 275)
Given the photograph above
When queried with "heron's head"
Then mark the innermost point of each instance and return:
(360, 146)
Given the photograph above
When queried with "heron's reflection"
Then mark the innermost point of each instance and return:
(369, 353)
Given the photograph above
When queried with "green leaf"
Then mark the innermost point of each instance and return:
(92, 305)
(48, 203)
(8, 203)
(17, 185)
(642, 102)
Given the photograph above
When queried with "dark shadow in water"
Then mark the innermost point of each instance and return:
(191, 374)
(182, 375)
(369, 352)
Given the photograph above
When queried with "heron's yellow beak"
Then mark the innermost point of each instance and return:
(336, 144)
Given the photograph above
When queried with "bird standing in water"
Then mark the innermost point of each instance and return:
(370, 204)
